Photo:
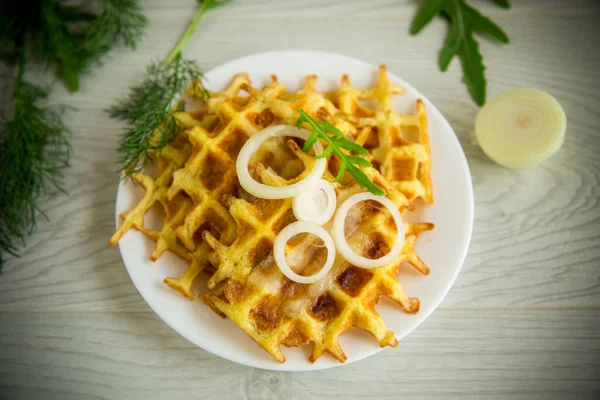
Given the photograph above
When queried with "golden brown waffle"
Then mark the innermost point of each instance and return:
(275, 311)
(169, 160)
(209, 177)
(399, 144)
(212, 223)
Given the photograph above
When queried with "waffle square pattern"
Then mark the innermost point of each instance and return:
(226, 235)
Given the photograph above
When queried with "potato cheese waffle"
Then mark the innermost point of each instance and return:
(217, 226)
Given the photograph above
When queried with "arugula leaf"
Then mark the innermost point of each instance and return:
(482, 24)
(502, 3)
(464, 22)
(428, 10)
(336, 141)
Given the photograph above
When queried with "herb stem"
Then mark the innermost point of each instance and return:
(206, 4)
(326, 138)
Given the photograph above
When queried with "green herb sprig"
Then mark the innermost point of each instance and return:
(336, 141)
(151, 106)
(34, 140)
(465, 21)
(34, 148)
(68, 38)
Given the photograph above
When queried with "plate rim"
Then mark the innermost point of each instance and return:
(167, 319)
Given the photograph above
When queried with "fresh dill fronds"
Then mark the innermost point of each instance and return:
(121, 22)
(336, 141)
(70, 38)
(34, 149)
(149, 109)
(34, 141)
(73, 38)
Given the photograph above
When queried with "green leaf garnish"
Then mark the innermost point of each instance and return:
(502, 3)
(464, 22)
(336, 141)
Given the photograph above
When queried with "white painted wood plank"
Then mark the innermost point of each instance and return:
(460, 354)
(523, 319)
(536, 234)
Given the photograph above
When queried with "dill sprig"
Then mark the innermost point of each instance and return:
(69, 38)
(336, 141)
(34, 149)
(149, 109)
(34, 141)
(73, 38)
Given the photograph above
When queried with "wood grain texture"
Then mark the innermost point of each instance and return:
(535, 241)
(465, 354)
(259, 9)
(522, 319)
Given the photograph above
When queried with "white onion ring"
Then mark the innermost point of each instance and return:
(340, 238)
(286, 234)
(273, 192)
(316, 204)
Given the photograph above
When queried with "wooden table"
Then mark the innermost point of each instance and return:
(522, 320)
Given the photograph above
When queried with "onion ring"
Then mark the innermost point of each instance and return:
(273, 192)
(316, 204)
(292, 230)
(342, 243)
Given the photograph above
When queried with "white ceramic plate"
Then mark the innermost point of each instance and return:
(444, 249)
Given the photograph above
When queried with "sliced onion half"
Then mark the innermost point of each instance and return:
(292, 230)
(316, 204)
(342, 243)
(273, 192)
(521, 127)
